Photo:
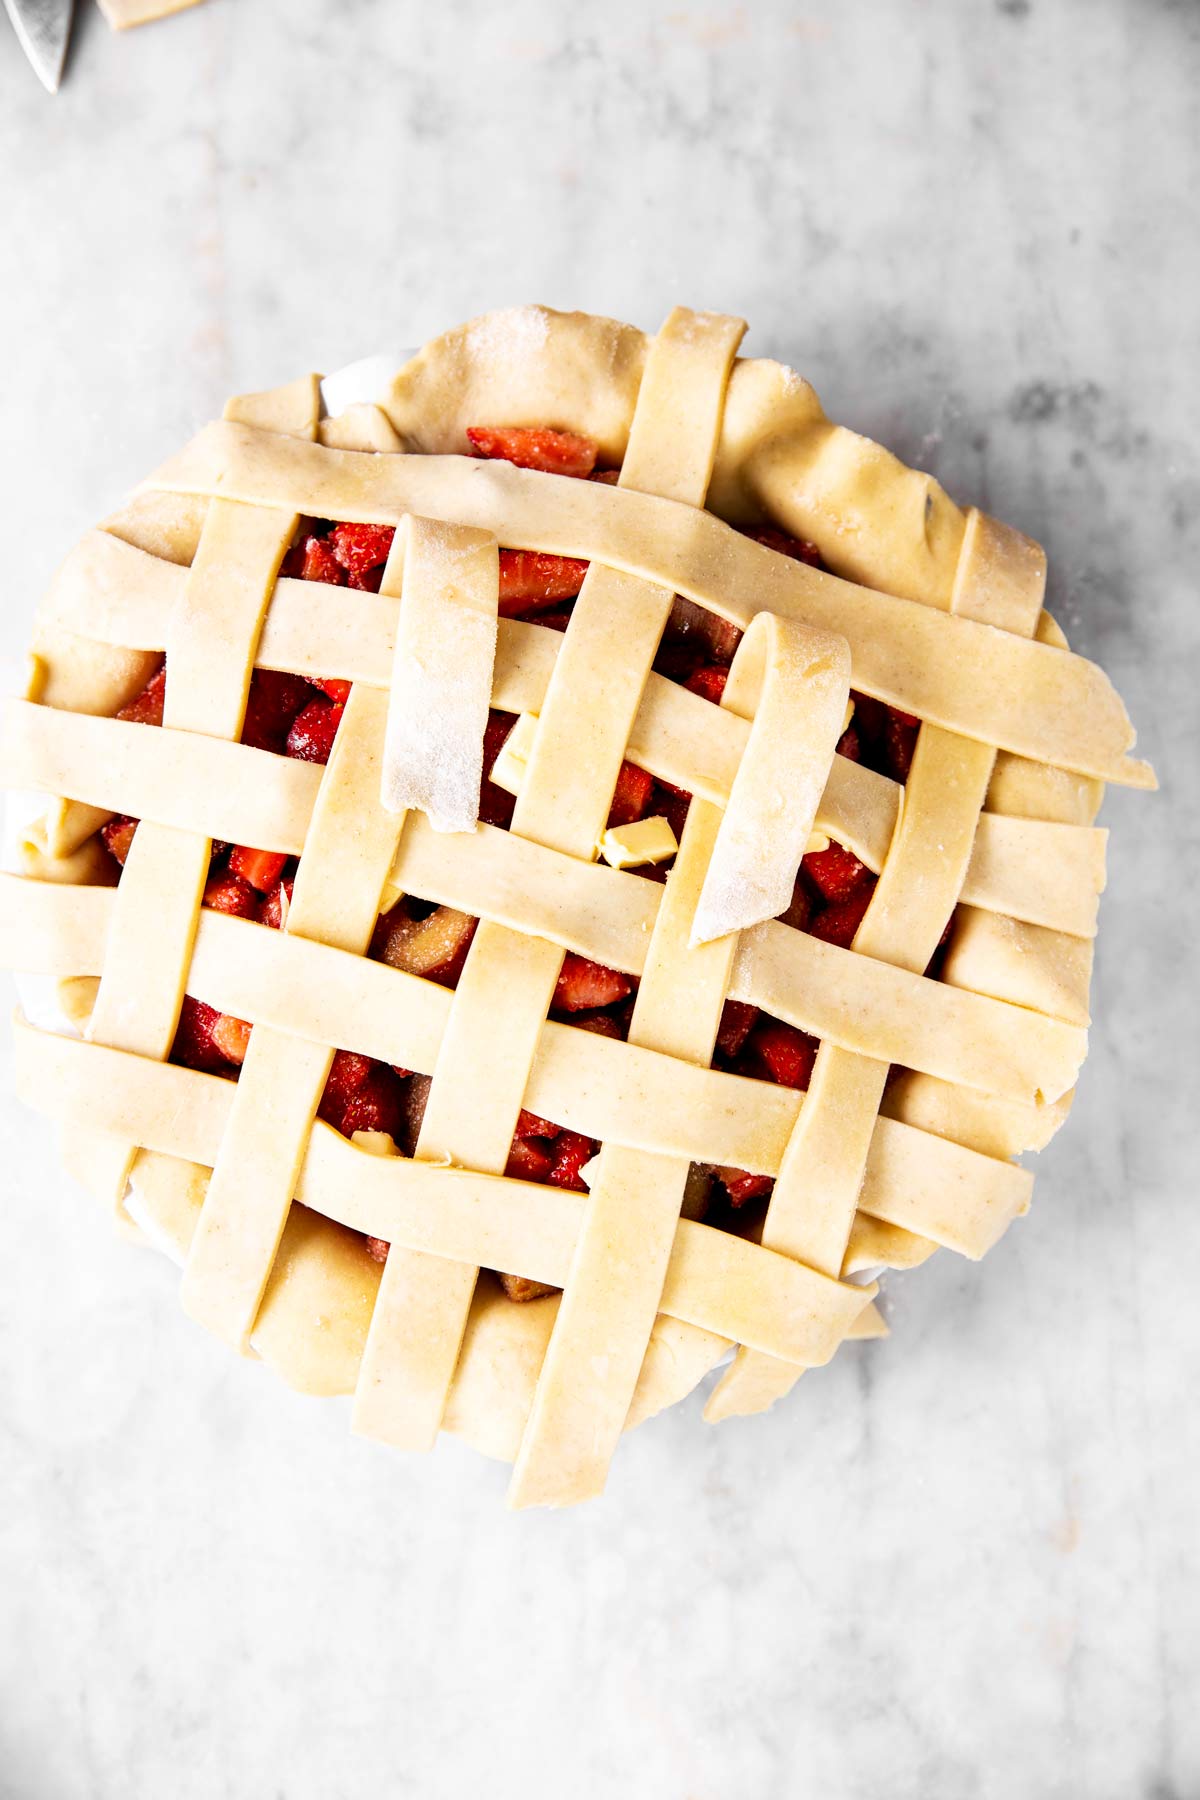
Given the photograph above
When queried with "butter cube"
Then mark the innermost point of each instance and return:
(508, 770)
(645, 841)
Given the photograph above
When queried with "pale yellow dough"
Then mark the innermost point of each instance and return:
(929, 608)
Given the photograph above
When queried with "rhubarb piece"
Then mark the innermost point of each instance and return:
(799, 549)
(900, 740)
(313, 731)
(571, 1151)
(708, 681)
(737, 1020)
(584, 985)
(434, 947)
(195, 1043)
(146, 708)
(361, 548)
(530, 579)
(782, 1053)
(535, 447)
(631, 796)
(743, 1187)
(495, 805)
(348, 1073)
(273, 703)
(275, 906)
(231, 1037)
(848, 744)
(836, 872)
(521, 1288)
(838, 924)
(117, 836)
(261, 868)
(718, 638)
(376, 1106)
(230, 894)
(337, 690)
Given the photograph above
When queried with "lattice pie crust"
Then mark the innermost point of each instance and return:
(931, 609)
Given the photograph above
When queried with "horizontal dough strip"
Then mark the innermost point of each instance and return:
(867, 1006)
(884, 1011)
(1040, 702)
(599, 1086)
(715, 1280)
(1042, 874)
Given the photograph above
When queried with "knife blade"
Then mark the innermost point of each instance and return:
(44, 29)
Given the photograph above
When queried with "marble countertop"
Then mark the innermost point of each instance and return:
(960, 1565)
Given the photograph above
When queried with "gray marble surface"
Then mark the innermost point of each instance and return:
(960, 1565)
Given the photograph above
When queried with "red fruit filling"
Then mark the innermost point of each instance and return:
(535, 447)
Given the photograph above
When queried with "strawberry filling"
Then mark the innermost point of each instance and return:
(297, 717)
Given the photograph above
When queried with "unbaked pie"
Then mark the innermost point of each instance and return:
(545, 882)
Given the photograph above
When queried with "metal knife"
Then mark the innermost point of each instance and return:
(44, 28)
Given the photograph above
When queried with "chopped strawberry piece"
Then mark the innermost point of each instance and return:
(718, 638)
(261, 868)
(709, 682)
(532, 578)
(195, 1044)
(274, 701)
(231, 1037)
(535, 447)
(799, 913)
(146, 708)
(838, 924)
(337, 690)
(672, 802)
(533, 1125)
(742, 1187)
(584, 985)
(375, 1106)
(368, 580)
(359, 548)
(275, 906)
(799, 549)
(528, 1161)
(495, 803)
(836, 872)
(848, 744)
(230, 894)
(117, 836)
(320, 563)
(571, 1151)
(348, 1075)
(378, 1248)
(313, 731)
(736, 1021)
(631, 796)
(784, 1054)
(900, 738)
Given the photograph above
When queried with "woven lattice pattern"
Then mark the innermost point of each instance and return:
(933, 611)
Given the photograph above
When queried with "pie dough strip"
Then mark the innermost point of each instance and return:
(462, 1216)
(811, 1212)
(585, 722)
(676, 735)
(214, 634)
(348, 851)
(591, 1084)
(979, 682)
(442, 673)
(793, 685)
